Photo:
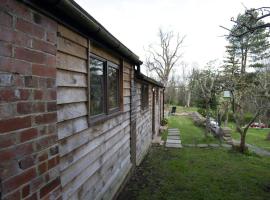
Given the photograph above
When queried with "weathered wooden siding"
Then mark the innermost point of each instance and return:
(143, 125)
(94, 160)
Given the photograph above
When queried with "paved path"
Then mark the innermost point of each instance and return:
(255, 149)
(173, 138)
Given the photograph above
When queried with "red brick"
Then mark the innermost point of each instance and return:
(38, 94)
(37, 183)
(42, 168)
(24, 107)
(24, 94)
(6, 19)
(24, 149)
(30, 28)
(51, 94)
(45, 142)
(17, 8)
(26, 162)
(45, 22)
(7, 140)
(51, 37)
(31, 81)
(18, 180)
(9, 95)
(44, 46)
(14, 124)
(15, 37)
(13, 196)
(25, 191)
(46, 118)
(43, 156)
(28, 134)
(51, 106)
(51, 83)
(51, 61)
(53, 162)
(7, 154)
(5, 49)
(32, 197)
(49, 187)
(11, 168)
(42, 82)
(38, 107)
(41, 70)
(15, 66)
(30, 55)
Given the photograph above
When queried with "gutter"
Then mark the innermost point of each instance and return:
(141, 76)
(74, 15)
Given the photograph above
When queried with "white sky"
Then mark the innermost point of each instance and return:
(135, 23)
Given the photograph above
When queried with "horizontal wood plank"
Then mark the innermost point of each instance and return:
(71, 63)
(71, 35)
(71, 48)
(70, 79)
(71, 127)
(71, 95)
(71, 111)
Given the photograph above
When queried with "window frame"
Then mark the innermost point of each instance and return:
(144, 105)
(108, 113)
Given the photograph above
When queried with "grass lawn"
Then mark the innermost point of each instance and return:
(255, 136)
(189, 133)
(199, 174)
(180, 109)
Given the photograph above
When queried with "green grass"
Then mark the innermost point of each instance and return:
(190, 134)
(254, 136)
(180, 109)
(199, 174)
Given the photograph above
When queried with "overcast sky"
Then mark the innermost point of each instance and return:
(135, 23)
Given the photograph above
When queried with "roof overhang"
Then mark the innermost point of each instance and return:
(69, 12)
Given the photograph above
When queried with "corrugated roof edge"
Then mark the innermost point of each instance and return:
(75, 12)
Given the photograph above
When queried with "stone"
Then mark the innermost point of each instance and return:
(173, 141)
(202, 145)
(173, 145)
(172, 137)
(214, 145)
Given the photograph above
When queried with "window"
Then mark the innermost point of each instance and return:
(157, 95)
(144, 96)
(104, 87)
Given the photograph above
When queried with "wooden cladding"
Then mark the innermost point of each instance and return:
(94, 158)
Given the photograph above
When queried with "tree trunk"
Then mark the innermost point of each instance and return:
(207, 120)
(188, 98)
(243, 142)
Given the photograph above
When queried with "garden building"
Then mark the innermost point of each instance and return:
(76, 113)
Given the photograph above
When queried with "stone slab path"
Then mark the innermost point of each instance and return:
(173, 138)
(255, 149)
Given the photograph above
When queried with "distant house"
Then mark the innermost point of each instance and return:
(76, 113)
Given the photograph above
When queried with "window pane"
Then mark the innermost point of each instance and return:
(96, 87)
(113, 87)
(144, 97)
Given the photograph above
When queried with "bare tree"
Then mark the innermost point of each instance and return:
(163, 57)
(253, 15)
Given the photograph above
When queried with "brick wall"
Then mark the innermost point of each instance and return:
(28, 134)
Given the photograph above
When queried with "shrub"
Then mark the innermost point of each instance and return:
(164, 122)
(202, 111)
